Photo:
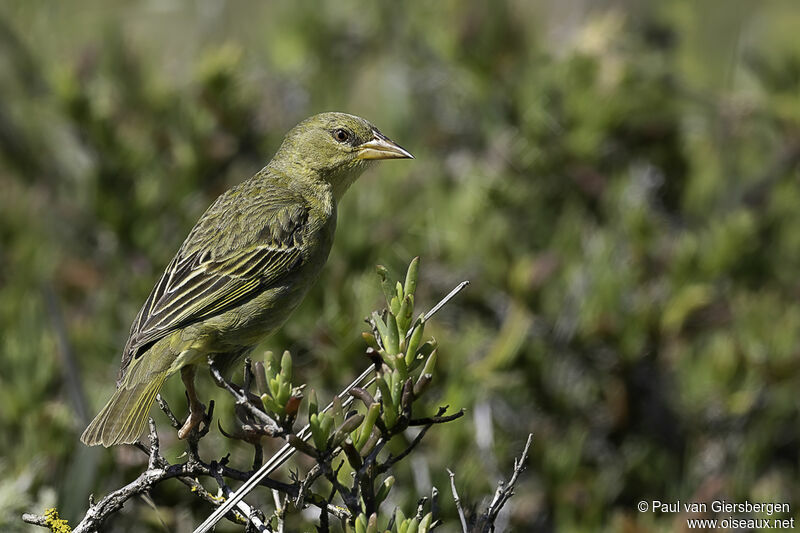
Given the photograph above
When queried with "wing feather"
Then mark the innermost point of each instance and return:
(198, 284)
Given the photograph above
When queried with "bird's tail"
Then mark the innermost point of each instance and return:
(123, 418)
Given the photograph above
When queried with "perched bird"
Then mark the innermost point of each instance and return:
(245, 266)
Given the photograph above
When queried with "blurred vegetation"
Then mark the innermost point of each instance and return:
(619, 181)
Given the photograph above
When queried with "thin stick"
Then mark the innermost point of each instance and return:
(287, 450)
(444, 301)
(458, 501)
(278, 509)
(504, 491)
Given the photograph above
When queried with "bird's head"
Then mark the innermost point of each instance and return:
(337, 148)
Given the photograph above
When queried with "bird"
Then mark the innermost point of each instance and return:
(244, 267)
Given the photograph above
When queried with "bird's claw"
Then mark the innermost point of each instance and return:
(197, 414)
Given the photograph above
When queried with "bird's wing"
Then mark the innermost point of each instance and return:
(233, 254)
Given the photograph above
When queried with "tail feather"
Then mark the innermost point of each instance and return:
(123, 418)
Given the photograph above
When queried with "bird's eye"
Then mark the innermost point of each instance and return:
(341, 135)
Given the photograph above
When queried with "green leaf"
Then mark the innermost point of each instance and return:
(361, 524)
(411, 277)
(425, 523)
(426, 349)
(404, 315)
(413, 343)
(369, 338)
(392, 340)
(372, 525)
(337, 411)
(386, 394)
(394, 305)
(284, 393)
(399, 516)
(318, 436)
(430, 364)
(396, 387)
(386, 285)
(369, 423)
(383, 331)
(326, 424)
(384, 489)
(271, 405)
(271, 366)
(313, 405)
(403, 527)
(400, 365)
(286, 366)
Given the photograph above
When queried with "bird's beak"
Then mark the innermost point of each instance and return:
(380, 147)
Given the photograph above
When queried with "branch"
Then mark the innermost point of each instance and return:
(158, 470)
(504, 492)
(270, 427)
(438, 419)
(457, 500)
(35, 519)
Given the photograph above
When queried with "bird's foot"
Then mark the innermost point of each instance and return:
(197, 414)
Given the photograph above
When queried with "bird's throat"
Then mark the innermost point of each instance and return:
(341, 179)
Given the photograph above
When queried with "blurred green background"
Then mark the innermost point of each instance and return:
(619, 181)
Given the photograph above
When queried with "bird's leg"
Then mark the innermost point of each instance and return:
(197, 411)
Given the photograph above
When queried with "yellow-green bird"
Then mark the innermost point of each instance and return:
(245, 266)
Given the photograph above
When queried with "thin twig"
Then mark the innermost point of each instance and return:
(34, 519)
(272, 427)
(349, 497)
(152, 461)
(251, 513)
(194, 486)
(504, 491)
(173, 420)
(276, 497)
(258, 455)
(444, 301)
(438, 419)
(426, 421)
(434, 502)
(458, 501)
(325, 505)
